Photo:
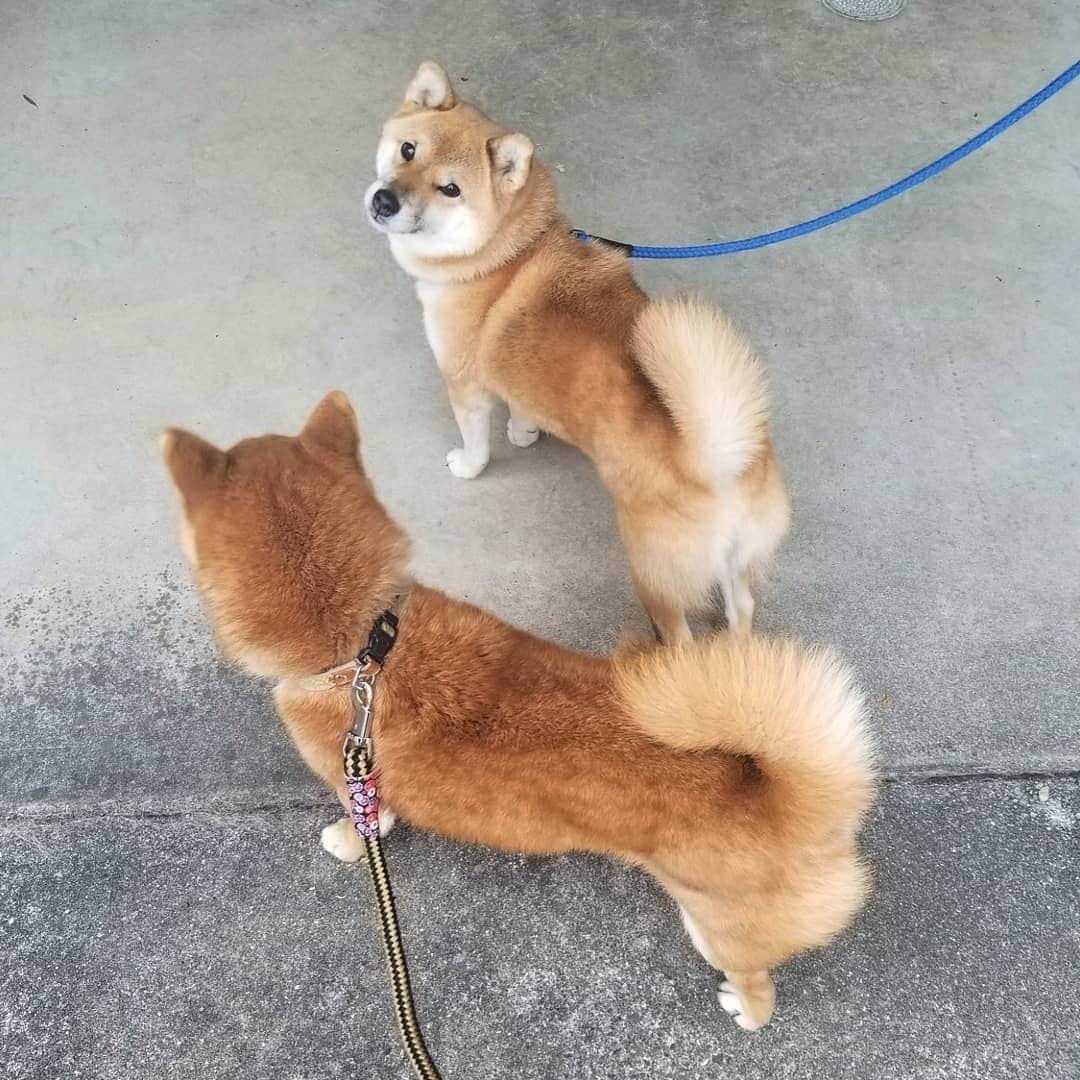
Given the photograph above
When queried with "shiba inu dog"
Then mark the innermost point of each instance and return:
(734, 769)
(665, 396)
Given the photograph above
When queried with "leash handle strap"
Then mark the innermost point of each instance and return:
(361, 780)
(360, 776)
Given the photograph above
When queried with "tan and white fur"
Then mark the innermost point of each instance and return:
(735, 770)
(665, 396)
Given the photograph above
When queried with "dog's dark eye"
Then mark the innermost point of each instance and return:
(451, 191)
(408, 151)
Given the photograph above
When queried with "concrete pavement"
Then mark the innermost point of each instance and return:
(223, 942)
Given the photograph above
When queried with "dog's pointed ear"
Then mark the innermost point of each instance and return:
(430, 88)
(194, 464)
(332, 426)
(511, 160)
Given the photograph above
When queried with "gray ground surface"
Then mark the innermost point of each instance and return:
(182, 241)
(226, 943)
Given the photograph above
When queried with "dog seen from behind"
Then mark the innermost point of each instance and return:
(665, 396)
(734, 769)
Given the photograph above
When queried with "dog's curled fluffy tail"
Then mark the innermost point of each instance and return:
(794, 711)
(710, 380)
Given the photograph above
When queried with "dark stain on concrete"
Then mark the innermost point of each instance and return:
(107, 696)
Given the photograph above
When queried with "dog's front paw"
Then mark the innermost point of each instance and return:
(463, 466)
(341, 841)
(386, 821)
(520, 434)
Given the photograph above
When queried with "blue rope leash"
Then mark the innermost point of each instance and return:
(697, 251)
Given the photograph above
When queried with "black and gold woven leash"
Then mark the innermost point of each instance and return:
(361, 778)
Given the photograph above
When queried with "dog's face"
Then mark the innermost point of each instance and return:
(447, 175)
(275, 530)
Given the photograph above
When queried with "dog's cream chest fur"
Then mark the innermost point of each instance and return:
(432, 296)
(437, 300)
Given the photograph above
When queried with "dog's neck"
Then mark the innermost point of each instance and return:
(536, 211)
(311, 650)
(326, 622)
(379, 639)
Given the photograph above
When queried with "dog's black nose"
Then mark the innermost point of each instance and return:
(384, 203)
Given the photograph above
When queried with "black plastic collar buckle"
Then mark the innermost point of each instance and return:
(381, 639)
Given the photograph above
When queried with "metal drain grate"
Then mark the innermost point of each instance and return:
(867, 10)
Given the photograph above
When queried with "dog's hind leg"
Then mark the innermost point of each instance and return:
(668, 620)
(521, 429)
(748, 997)
(694, 932)
(747, 994)
(738, 600)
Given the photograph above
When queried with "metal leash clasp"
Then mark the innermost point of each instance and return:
(363, 695)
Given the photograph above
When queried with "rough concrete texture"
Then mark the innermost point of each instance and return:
(182, 241)
(229, 944)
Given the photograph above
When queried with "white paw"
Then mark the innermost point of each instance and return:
(732, 1004)
(463, 466)
(341, 841)
(520, 435)
(386, 821)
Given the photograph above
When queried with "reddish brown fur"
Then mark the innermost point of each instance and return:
(489, 735)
